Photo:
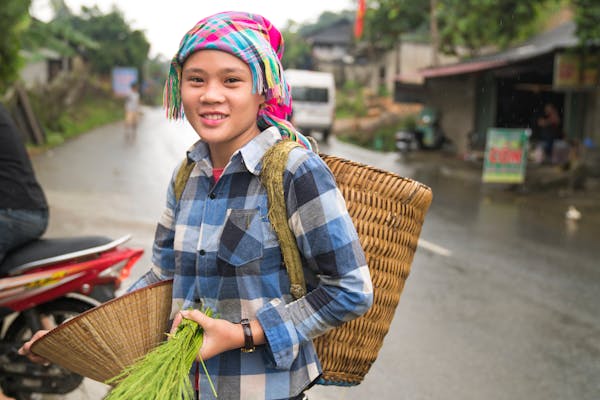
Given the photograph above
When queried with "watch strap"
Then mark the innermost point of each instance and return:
(248, 340)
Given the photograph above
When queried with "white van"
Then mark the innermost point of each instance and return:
(313, 95)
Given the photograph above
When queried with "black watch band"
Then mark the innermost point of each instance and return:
(248, 340)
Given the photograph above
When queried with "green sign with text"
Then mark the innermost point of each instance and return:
(505, 155)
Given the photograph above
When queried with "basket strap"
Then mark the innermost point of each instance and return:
(271, 176)
(183, 174)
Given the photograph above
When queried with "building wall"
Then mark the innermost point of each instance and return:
(454, 97)
(329, 53)
(384, 71)
(34, 74)
(412, 58)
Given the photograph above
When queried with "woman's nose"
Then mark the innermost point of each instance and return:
(212, 94)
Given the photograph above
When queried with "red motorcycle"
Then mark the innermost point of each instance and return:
(44, 283)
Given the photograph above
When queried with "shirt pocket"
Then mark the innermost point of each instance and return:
(242, 238)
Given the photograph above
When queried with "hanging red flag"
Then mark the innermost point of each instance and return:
(360, 17)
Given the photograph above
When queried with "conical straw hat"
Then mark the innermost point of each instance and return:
(102, 341)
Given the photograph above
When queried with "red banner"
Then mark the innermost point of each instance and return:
(360, 17)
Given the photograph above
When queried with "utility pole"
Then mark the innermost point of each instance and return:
(435, 37)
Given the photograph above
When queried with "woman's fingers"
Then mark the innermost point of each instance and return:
(176, 322)
(196, 315)
(25, 350)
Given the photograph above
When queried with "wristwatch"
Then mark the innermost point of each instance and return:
(248, 341)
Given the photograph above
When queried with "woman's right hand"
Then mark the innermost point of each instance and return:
(25, 350)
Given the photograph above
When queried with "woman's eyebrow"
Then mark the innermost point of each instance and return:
(192, 70)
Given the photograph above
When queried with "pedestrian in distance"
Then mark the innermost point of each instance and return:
(23, 206)
(132, 112)
(216, 240)
(550, 130)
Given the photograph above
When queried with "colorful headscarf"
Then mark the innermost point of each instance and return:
(254, 40)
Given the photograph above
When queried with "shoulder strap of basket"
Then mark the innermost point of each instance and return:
(271, 176)
(182, 177)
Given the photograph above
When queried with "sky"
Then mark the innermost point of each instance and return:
(166, 21)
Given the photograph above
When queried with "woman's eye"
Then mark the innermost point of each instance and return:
(195, 79)
(232, 80)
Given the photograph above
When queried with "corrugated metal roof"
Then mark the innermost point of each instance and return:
(562, 36)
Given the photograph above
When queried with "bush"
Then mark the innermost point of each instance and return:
(351, 101)
(382, 137)
(73, 105)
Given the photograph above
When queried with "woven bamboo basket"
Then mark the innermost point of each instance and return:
(102, 341)
(388, 212)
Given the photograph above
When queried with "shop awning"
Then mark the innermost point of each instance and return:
(560, 37)
(462, 68)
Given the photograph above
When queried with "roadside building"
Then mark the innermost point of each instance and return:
(509, 89)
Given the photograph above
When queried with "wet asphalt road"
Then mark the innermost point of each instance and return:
(502, 301)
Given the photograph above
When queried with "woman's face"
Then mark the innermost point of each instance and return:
(216, 92)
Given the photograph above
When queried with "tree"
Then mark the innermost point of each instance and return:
(587, 16)
(118, 44)
(387, 20)
(297, 50)
(475, 24)
(14, 19)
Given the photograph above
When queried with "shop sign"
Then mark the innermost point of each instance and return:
(505, 155)
(574, 71)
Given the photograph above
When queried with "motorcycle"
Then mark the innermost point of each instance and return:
(43, 284)
(427, 134)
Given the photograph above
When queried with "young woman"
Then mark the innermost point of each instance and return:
(217, 242)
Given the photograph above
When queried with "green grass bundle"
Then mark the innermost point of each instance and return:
(163, 373)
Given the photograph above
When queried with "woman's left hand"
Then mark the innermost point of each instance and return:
(219, 335)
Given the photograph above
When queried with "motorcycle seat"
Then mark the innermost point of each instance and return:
(47, 248)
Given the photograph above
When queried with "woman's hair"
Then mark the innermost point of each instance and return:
(254, 40)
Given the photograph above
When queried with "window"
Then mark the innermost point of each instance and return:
(315, 95)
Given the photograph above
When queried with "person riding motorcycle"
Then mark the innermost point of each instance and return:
(23, 206)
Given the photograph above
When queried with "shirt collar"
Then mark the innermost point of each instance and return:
(251, 153)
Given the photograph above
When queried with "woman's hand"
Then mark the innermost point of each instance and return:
(219, 335)
(25, 350)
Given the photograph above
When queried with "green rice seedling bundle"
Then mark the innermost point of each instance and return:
(163, 373)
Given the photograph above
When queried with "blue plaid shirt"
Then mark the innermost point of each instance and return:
(218, 245)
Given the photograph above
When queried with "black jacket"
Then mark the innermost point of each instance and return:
(19, 188)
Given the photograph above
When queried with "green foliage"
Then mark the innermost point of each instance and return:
(475, 24)
(587, 18)
(469, 24)
(57, 35)
(350, 101)
(325, 20)
(156, 70)
(387, 20)
(93, 107)
(118, 45)
(14, 18)
(163, 373)
(383, 138)
(297, 51)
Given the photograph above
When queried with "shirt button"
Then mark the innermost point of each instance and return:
(212, 195)
(202, 252)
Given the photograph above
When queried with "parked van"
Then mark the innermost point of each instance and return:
(313, 95)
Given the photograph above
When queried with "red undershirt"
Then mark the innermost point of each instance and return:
(217, 172)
